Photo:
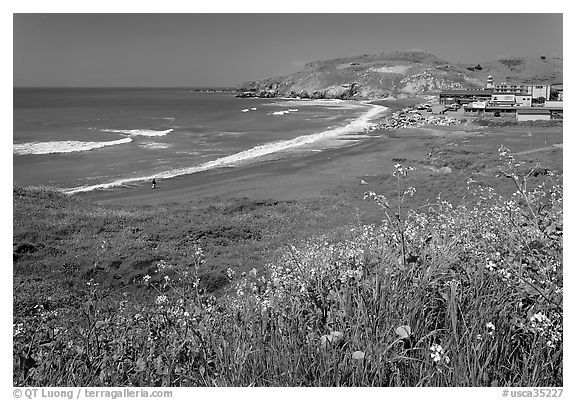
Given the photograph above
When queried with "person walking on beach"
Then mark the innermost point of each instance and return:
(153, 183)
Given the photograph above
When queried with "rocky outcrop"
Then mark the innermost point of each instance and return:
(396, 74)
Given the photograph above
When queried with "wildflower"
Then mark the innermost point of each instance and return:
(401, 170)
(230, 272)
(160, 265)
(18, 329)
(505, 274)
(542, 325)
(410, 191)
(504, 152)
(161, 299)
(539, 318)
(490, 264)
(166, 278)
(199, 254)
(452, 283)
(436, 352)
(196, 282)
(491, 328)
(146, 278)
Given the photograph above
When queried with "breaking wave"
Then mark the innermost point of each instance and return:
(68, 146)
(139, 132)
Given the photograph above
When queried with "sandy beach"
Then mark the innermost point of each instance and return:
(331, 172)
(345, 172)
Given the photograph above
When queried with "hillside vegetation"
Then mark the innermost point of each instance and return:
(400, 74)
(440, 295)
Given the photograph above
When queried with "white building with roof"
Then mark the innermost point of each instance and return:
(538, 91)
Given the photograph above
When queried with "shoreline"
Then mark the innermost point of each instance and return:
(346, 173)
(255, 154)
(330, 172)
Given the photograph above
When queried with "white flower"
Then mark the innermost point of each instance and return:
(539, 318)
(199, 253)
(161, 265)
(18, 329)
(146, 278)
(161, 299)
(436, 352)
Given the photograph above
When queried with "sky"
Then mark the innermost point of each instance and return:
(189, 50)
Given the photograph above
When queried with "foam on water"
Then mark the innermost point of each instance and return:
(154, 146)
(139, 132)
(68, 146)
(357, 125)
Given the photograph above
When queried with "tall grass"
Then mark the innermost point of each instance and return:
(441, 295)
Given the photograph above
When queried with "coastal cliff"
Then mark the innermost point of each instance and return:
(398, 75)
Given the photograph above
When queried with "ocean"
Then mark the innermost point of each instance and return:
(87, 139)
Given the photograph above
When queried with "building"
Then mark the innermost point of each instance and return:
(502, 95)
(538, 91)
(481, 108)
(532, 114)
(511, 100)
(505, 88)
(523, 100)
(477, 105)
(554, 104)
(503, 99)
(465, 96)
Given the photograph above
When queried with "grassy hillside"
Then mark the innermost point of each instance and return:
(239, 292)
(523, 70)
(399, 74)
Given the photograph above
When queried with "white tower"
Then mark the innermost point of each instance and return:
(490, 82)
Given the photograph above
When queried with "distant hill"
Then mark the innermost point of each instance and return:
(400, 74)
